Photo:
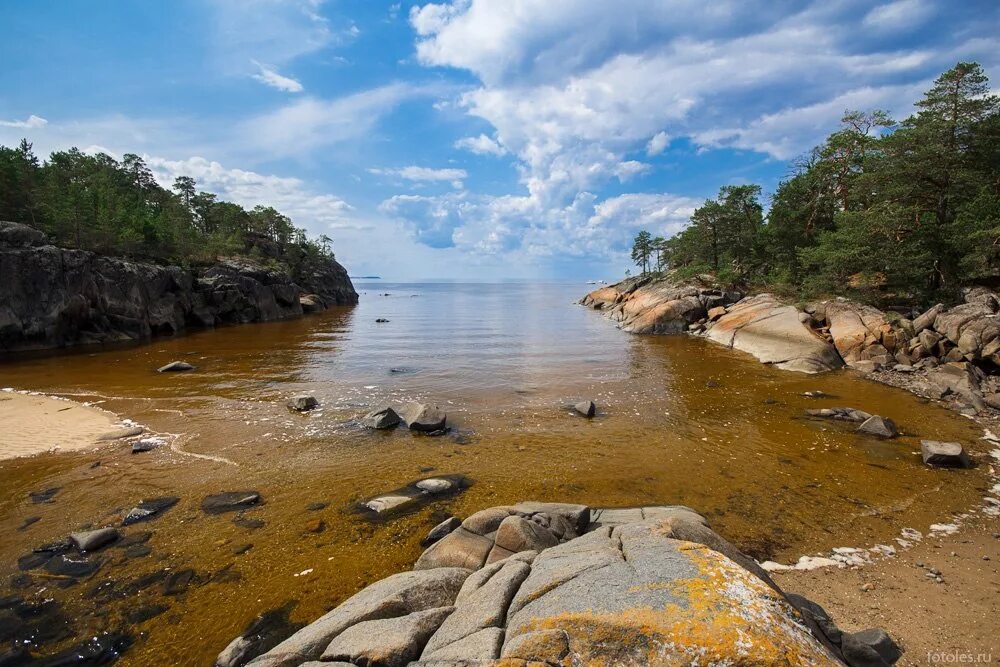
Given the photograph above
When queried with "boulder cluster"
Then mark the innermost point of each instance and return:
(951, 350)
(560, 584)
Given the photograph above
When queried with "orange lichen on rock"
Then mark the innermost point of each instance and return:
(725, 616)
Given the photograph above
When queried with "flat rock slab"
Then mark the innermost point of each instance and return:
(93, 540)
(389, 642)
(420, 417)
(394, 596)
(129, 432)
(149, 509)
(842, 414)
(175, 367)
(414, 495)
(945, 454)
(774, 333)
(230, 501)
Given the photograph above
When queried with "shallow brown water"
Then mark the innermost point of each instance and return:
(681, 420)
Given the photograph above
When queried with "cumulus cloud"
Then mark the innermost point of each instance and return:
(481, 145)
(32, 122)
(269, 77)
(898, 15)
(414, 173)
(576, 89)
(319, 212)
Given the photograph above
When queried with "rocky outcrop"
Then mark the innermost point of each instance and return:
(642, 586)
(776, 334)
(643, 305)
(54, 297)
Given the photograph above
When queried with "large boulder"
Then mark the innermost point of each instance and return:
(959, 378)
(776, 334)
(660, 589)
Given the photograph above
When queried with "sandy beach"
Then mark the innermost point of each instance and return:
(35, 423)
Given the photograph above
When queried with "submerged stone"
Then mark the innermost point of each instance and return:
(149, 509)
(264, 633)
(230, 501)
(586, 408)
(92, 540)
(420, 417)
(44, 496)
(383, 418)
(303, 403)
(175, 367)
(881, 427)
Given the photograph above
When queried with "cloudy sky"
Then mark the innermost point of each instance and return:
(473, 139)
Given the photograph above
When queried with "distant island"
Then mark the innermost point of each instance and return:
(366, 277)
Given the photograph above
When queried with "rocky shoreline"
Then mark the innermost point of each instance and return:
(947, 354)
(562, 584)
(52, 297)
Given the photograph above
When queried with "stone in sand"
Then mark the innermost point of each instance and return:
(948, 454)
(175, 367)
(420, 417)
(147, 444)
(149, 509)
(303, 403)
(586, 408)
(383, 418)
(121, 433)
(882, 427)
(92, 540)
(230, 501)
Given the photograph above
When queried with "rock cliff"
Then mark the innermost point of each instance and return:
(53, 297)
(560, 584)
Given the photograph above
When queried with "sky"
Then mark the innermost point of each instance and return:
(472, 139)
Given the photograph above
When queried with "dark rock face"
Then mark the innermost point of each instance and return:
(56, 297)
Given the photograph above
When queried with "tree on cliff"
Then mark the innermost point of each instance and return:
(95, 202)
(642, 248)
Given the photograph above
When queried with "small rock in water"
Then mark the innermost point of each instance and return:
(844, 414)
(381, 320)
(138, 551)
(248, 523)
(44, 496)
(867, 586)
(29, 521)
(420, 417)
(315, 507)
(442, 529)
(816, 394)
(175, 367)
(435, 485)
(945, 454)
(144, 613)
(586, 408)
(71, 566)
(881, 427)
(242, 549)
(178, 582)
(316, 526)
(149, 509)
(93, 540)
(147, 444)
(303, 403)
(382, 418)
(230, 501)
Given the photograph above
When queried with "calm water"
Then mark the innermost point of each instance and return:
(680, 420)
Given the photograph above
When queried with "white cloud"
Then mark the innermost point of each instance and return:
(269, 77)
(657, 144)
(481, 145)
(31, 123)
(310, 124)
(425, 174)
(898, 15)
(320, 212)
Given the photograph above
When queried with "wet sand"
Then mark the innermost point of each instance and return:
(33, 423)
(935, 623)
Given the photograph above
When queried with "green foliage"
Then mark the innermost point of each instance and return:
(94, 202)
(885, 212)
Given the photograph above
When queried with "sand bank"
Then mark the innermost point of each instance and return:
(34, 423)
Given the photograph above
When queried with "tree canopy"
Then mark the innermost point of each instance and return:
(886, 211)
(94, 202)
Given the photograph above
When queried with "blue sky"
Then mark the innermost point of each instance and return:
(471, 139)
